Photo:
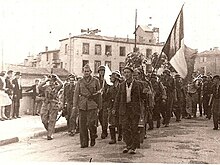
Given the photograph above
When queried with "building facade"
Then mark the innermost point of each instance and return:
(96, 50)
(208, 62)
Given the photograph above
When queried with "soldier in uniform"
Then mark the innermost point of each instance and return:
(147, 103)
(159, 100)
(50, 105)
(178, 97)
(215, 100)
(168, 83)
(87, 98)
(127, 104)
(207, 91)
(103, 112)
(113, 118)
(71, 114)
(192, 98)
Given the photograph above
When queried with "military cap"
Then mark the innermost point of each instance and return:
(87, 66)
(177, 76)
(137, 70)
(154, 76)
(167, 71)
(216, 77)
(71, 76)
(117, 73)
(204, 76)
(18, 73)
(101, 67)
(129, 68)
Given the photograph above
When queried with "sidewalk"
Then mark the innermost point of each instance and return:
(27, 126)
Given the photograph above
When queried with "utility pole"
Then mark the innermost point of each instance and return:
(135, 41)
(2, 57)
(70, 54)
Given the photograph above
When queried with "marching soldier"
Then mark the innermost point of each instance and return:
(168, 83)
(207, 91)
(159, 100)
(103, 112)
(192, 98)
(87, 99)
(178, 97)
(50, 105)
(71, 114)
(215, 100)
(113, 117)
(127, 104)
(146, 104)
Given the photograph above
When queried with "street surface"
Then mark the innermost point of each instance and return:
(190, 141)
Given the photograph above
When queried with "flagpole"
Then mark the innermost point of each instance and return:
(135, 40)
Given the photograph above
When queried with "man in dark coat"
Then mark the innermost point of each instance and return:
(127, 103)
(17, 95)
(9, 91)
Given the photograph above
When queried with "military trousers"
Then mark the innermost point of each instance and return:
(166, 112)
(191, 103)
(48, 114)
(15, 107)
(87, 125)
(207, 108)
(130, 128)
(103, 117)
(216, 112)
(71, 117)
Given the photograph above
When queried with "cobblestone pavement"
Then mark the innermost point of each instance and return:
(190, 141)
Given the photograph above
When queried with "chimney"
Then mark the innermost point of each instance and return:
(127, 38)
(215, 48)
(46, 48)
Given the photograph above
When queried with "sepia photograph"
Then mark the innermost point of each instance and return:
(110, 81)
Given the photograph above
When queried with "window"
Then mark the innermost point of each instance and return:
(121, 66)
(98, 50)
(108, 50)
(85, 48)
(202, 59)
(96, 66)
(108, 63)
(61, 65)
(122, 51)
(148, 53)
(66, 48)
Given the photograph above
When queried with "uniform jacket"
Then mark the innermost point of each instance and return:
(82, 96)
(68, 93)
(17, 93)
(136, 96)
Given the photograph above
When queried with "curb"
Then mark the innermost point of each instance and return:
(38, 134)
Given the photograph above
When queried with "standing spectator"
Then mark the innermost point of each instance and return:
(17, 95)
(50, 106)
(4, 98)
(87, 99)
(127, 104)
(9, 91)
(215, 99)
(71, 113)
(35, 92)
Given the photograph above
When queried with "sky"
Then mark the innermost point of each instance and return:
(27, 26)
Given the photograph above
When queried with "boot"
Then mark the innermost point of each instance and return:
(119, 133)
(151, 125)
(158, 123)
(113, 135)
(104, 134)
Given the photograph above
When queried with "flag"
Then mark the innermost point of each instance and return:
(107, 75)
(174, 47)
